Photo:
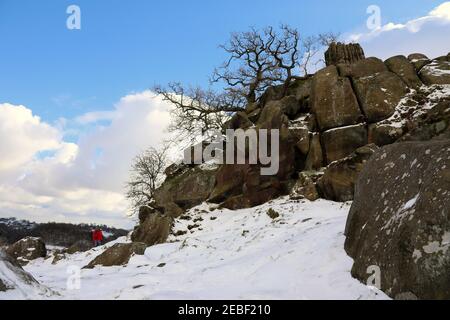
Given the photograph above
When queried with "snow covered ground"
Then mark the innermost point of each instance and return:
(240, 254)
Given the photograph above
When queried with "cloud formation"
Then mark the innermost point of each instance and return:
(44, 178)
(425, 34)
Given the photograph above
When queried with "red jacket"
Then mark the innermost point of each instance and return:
(97, 235)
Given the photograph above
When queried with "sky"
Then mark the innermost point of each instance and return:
(75, 105)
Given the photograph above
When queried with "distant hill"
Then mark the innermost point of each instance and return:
(57, 234)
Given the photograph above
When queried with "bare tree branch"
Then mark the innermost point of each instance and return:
(145, 176)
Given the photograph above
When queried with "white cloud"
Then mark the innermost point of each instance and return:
(427, 34)
(75, 182)
(22, 136)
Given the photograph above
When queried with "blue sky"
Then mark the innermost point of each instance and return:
(74, 104)
(127, 46)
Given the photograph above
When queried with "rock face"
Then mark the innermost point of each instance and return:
(155, 229)
(343, 53)
(402, 67)
(418, 60)
(340, 142)
(333, 100)
(362, 68)
(12, 276)
(338, 181)
(379, 94)
(27, 249)
(326, 122)
(118, 255)
(400, 220)
(185, 191)
(437, 72)
(79, 246)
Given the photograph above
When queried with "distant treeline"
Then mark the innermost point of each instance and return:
(57, 234)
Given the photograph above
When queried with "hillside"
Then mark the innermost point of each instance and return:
(241, 254)
(56, 234)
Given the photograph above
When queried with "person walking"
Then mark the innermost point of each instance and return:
(97, 237)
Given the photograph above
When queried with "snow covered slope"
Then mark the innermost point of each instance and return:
(15, 283)
(240, 254)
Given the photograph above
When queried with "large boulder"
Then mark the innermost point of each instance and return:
(383, 134)
(184, 191)
(315, 158)
(243, 185)
(362, 68)
(239, 120)
(305, 186)
(340, 142)
(343, 53)
(333, 101)
(400, 222)
(13, 277)
(379, 94)
(27, 249)
(79, 246)
(118, 255)
(437, 72)
(402, 67)
(418, 60)
(339, 178)
(155, 229)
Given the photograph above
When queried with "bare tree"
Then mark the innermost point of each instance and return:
(199, 110)
(312, 45)
(145, 176)
(258, 59)
(250, 68)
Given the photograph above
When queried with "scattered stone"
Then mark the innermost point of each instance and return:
(79, 246)
(273, 214)
(27, 249)
(118, 255)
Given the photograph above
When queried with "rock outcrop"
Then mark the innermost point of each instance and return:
(333, 101)
(338, 180)
(118, 255)
(418, 60)
(343, 53)
(379, 94)
(13, 277)
(329, 125)
(185, 190)
(402, 67)
(153, 229)
(400, 220)
(436, 72)
(27, 249)
(79, 246)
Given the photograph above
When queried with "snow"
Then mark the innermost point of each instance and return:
(411, 203)
(239, 254)
(19, 285)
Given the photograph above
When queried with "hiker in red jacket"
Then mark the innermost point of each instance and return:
(97, 237)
